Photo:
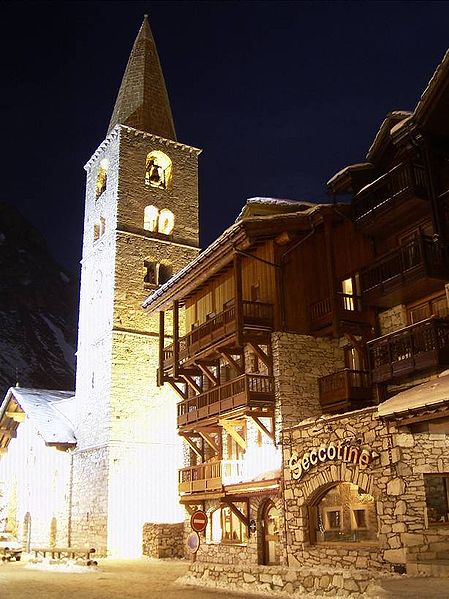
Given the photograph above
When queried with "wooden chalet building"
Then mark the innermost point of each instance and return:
(323, 331)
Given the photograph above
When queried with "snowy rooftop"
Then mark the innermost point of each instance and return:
(47, 410)
(427, 395)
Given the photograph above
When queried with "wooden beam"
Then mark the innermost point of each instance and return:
(171, 381)
(175, 338)
(233, 363)
(211, 443)
(16, 416)
(238, 298)
(230, 428)
(189, 380)
(235, 510)
(266, 359)
(263, 429)
(160, 370)
(205, 370)
(193, 445)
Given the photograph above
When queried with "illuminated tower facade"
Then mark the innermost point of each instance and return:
(140, 227)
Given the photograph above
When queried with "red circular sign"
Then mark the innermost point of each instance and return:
(198, 521)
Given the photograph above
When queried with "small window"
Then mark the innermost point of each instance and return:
(359, 518)
(437, 498)
(150, 218)
(99, 228)
(158, 170)
(155, 273)
(349, 294)
(102, 177)
(332, 519)
(166, 221)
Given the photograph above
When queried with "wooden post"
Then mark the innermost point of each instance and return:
(160, 372)
(238, 298)
(175, 339)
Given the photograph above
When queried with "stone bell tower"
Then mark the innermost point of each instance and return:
(140, 227)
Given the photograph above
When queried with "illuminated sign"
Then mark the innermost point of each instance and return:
(345, 453)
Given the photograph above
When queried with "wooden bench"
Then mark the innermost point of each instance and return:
(66, 552)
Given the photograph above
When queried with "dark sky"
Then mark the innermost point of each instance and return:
(280, 95)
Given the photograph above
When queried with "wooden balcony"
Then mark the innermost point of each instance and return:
(404, 274)
(397, 197)
(257, 315)
(344, 390)
(421, 346)
(350, 317)
(248, 390)
(210, 476)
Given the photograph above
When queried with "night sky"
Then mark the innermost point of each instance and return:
(280, 95)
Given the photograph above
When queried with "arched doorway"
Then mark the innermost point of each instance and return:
(270, 531)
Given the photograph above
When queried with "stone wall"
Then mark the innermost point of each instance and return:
(393, 319)
(163, 540)
(298, 361)
(287, 582)
(394, 478)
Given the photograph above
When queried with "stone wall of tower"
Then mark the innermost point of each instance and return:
(125, 466)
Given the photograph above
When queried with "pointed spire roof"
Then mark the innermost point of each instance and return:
(142, 100)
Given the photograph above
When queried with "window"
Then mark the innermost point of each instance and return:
(158, 170)
(161, 221)
(349, 294)
(344, 513)
(437, 498)
(99, 228)
(225, 527)
(155, 273)
(102, 177)
(150, 218)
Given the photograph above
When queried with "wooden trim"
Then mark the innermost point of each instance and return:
(210, 442)
(266, 359)
(171, 381)
(160, 371)
(230, 360)
(205, 370)
(175, 338)
(193, 445)
(263, 428)
(229, 427)
(188, 379)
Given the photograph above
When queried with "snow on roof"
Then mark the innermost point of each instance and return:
(432, 86)
(274, 203)
(390, 120)
(426, 395)
(358, 166)
(45, 408)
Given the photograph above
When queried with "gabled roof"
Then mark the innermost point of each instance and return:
(46, 409)
(142, 101)
(302, 217)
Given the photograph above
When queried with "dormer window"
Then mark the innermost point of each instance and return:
(102, 177)
(158, 170)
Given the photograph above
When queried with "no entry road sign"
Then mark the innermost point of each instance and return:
(198, 521)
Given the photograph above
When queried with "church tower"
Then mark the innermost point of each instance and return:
(140, 227)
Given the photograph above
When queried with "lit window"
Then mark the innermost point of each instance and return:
(102, 177)
(225, 527)
(437, 498)
(349, 294)
(344, 513)
(99, 228)
(150, 218)
(166, 221)
(158, 170)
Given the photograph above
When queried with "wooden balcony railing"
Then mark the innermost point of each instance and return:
(422, 257)
(420, 346)
(345, 388)
(245, 390)
(210, 476)
(403, 180)
(256, 314)
(348, 307)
